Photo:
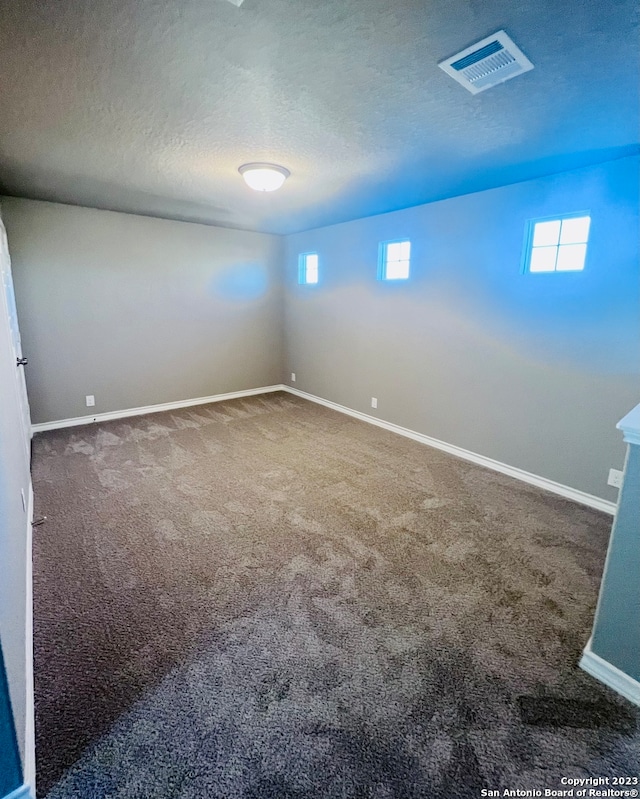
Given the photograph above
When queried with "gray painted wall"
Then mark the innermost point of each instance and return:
(616, 630)
(531, 370)
(139, 311)
(14, 478)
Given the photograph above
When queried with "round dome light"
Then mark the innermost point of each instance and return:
(264, 177)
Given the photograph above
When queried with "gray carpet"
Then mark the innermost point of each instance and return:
(265, 598)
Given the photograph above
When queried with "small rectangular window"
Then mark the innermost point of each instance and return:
(557, 245)
(394, 259)
(308, 268)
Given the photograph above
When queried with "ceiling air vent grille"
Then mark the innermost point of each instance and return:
(487, 63)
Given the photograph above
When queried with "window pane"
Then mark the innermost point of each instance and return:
(397, 270)
(543, 259)
(309, 271)
(571, 257)
(546, 233)
(405, 250)
(394, 251)
(575, 231)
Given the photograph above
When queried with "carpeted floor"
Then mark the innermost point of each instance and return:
(265, 599)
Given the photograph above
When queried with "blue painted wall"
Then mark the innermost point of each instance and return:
(533, 370)
(10, 770)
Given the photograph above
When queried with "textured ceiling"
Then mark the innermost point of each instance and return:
(150, 106)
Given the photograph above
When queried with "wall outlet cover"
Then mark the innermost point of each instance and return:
(374, 402)
(615, 478)
(91, 400)
(293, 377)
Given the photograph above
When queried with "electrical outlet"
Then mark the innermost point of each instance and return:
(615, 478)
(374, 402)
(293, 377)
(91, 400)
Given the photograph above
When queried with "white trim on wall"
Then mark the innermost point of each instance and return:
(526, 477)
(163, 406)
(29, 766)
(512, 471)
(610, 675)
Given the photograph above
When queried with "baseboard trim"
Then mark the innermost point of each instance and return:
(30, 732)
(573, 494)
(163, 406)
(610, 675)
(512, 471)
(23, 792)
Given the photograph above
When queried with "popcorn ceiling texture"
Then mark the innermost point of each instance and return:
(265, 599)
(150, 106)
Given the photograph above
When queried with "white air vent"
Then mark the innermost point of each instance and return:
(487, 63)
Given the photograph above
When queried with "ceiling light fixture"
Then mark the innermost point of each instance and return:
(264, 177)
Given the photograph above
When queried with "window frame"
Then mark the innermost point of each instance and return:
(303, 270)
(529, 231)
(383, 260)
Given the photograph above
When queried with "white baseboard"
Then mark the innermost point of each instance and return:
(23, 792)
(519, 474)
(29, 765)
(164, 406)
(526, 477)
(610, 675)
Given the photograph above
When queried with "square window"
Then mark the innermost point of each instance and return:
(394, 260)
(557, 245)
(308, 268)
